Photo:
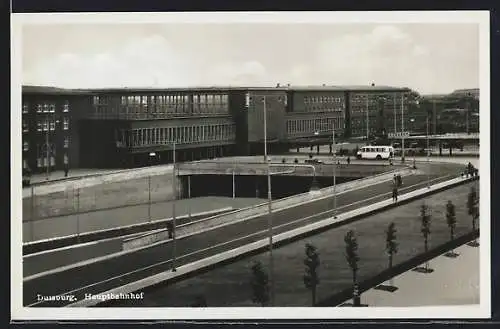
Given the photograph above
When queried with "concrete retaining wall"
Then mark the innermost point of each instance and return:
(59, 242)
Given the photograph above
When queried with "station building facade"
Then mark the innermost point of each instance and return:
(50, 135)
(134, 127)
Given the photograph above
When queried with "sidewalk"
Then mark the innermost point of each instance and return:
(57, 176)
(454, 281)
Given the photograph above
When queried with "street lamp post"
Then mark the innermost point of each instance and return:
(47, 144)
(402, 129)
(334, 165)
(174, 192)
(269, 206)
(395, 115)
(412, 120)
(334, 172)
(428, 151)
(367, 125)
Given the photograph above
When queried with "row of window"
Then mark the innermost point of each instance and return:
(46, 125)
(322, 108)
(41, 162)
(26, 145)
(313, 125)
(45, 107)
(146, 100)
(356, 98)
(389, 108)
(138, 111)
(178, 135)
(323, 99)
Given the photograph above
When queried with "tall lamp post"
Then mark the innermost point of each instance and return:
(428, 151)
(174, 224)
(334, 165)
(47, 144)
(367, 122)
(269, 204)
(402, 129)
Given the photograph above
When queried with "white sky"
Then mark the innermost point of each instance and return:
(430, 58)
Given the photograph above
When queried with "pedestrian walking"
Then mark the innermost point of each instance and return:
(394, 193)
(348, 160)
(400, 180)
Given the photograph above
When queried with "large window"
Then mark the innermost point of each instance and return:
(25, 108)
(66, 123)
(25, 126)
(26, 146)
(66, 142)
(66, 106)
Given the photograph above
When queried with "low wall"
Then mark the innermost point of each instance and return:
(38, 246)
(230, 256)
(259, 169)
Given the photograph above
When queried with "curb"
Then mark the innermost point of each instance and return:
(59, 242)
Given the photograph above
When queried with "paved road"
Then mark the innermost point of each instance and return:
(131, 267)
(51, 259)
(111, 218)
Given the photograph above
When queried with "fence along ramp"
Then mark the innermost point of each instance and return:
(253, 211)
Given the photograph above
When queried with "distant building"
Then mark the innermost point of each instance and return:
(467, 92)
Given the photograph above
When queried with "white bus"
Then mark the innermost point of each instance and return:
(378, 152)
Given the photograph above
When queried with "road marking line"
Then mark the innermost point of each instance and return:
(225, 243)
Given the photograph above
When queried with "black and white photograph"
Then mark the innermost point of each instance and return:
(252, 165)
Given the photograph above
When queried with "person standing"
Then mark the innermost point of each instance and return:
(395, 193)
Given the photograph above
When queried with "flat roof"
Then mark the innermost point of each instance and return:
(29, 89)
(56, 90)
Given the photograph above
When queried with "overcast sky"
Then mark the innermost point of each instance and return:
(430, 58)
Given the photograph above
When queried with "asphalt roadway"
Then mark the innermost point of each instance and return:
(113, 272)
(51, 259)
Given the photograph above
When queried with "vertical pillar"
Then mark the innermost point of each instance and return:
(189, 197)
(32, 213)
(149, 198)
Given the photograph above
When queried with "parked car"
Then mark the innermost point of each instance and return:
(313, 161)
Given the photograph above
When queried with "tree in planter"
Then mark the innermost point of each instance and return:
(351, 254)
(311, 278)
(425, 218)
(260, 285)
(451, 221)
(473, 210)
(391, 248)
